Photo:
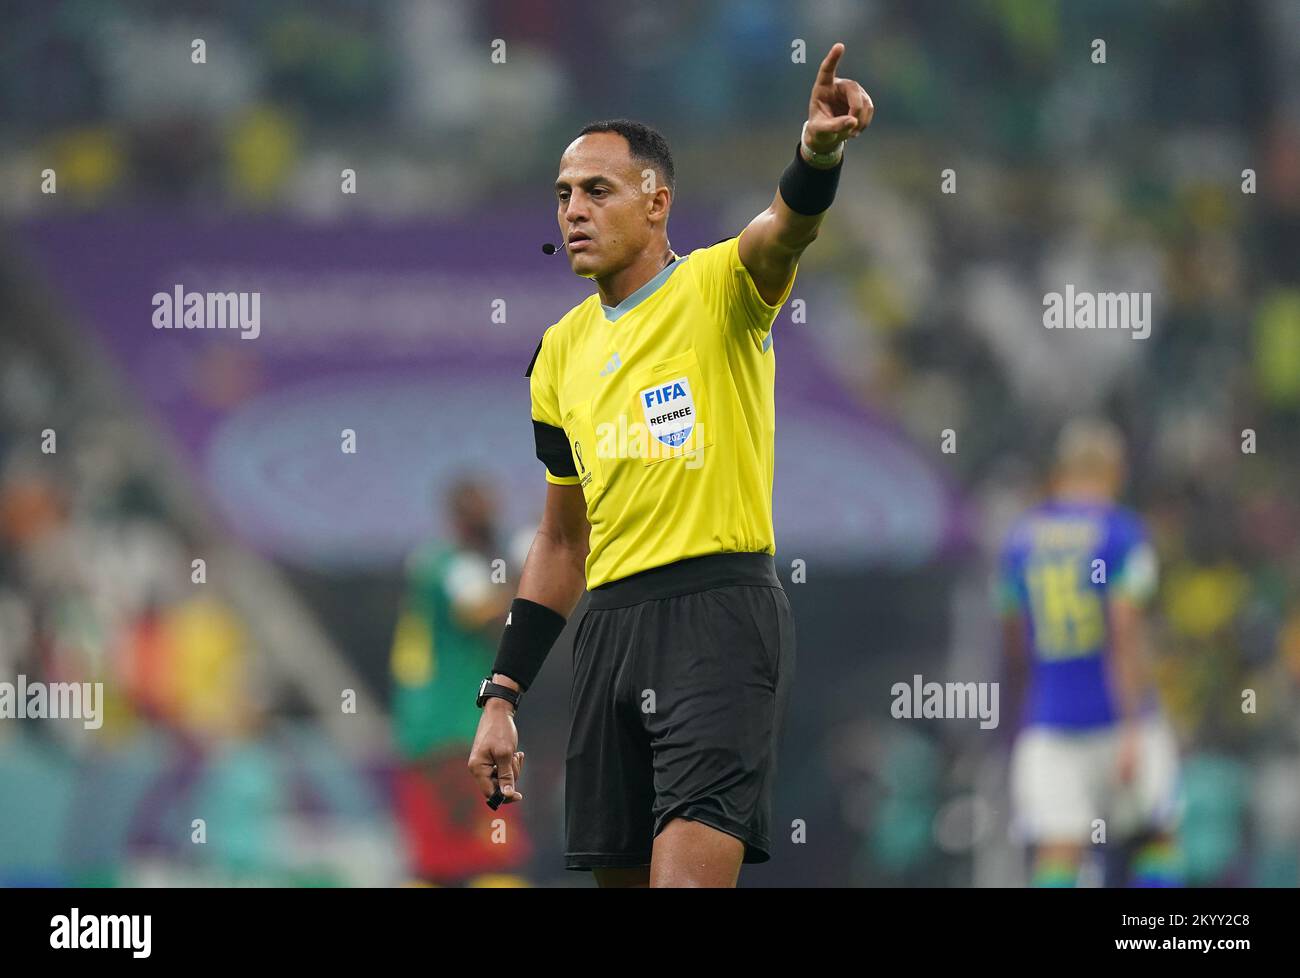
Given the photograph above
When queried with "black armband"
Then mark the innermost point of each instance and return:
(553, 448)
(531, 630)
(806, 189)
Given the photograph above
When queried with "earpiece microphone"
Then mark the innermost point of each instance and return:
(550, 249)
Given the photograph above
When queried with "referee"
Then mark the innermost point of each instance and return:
(652, 406)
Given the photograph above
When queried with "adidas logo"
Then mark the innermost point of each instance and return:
(614, 364)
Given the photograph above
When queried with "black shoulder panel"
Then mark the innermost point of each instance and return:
(529, 371)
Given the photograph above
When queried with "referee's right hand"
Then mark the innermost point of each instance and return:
(493, 760)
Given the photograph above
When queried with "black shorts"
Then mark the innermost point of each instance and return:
(680, 680)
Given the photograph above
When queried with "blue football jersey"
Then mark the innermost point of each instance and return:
(1061, 561)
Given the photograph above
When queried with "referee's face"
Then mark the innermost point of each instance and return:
(606, 218)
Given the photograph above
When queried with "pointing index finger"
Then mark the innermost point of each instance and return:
(826, 73)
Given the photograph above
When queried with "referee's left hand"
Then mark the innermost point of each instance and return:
(839, 108)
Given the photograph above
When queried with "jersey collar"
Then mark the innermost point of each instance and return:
(640, 295)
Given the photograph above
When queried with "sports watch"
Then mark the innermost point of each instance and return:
(487, 689)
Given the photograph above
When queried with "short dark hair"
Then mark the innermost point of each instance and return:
(644, 144)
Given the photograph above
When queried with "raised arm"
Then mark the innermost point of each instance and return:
(770, 246)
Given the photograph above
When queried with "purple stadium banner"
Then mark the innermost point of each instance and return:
(415, 336)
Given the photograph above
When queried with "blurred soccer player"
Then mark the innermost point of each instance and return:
(443, 643)
(652, 407)
(1076, 572)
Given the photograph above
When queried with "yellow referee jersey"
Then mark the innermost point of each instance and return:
(661, 408)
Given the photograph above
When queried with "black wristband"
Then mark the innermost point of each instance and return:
(806, 189)
(531, 630)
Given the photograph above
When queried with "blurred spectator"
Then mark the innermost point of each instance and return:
(443, 648)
